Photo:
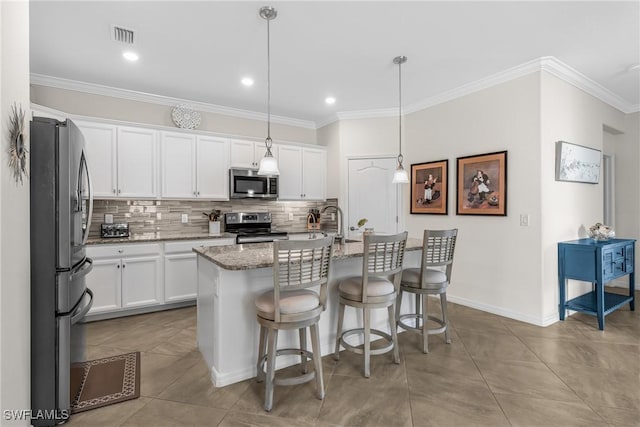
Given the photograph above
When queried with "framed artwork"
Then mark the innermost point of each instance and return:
(482, 184)
(576, 163)
(429, 187)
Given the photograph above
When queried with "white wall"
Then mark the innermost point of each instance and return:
(14, 218)
(86, 104)
(497, 262)
(329, 136)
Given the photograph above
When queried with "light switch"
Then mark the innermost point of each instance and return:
(524, 220)
(108, 218)
(185, 218)
(290, 216)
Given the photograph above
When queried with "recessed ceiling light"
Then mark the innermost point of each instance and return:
(247, 81)
(130, 56)
(330, 100)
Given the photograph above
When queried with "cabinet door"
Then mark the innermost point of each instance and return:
(242, 154)
(104, 280)
(100, 143)
(141, 281)
(290, 165)
(180, 277)
(212, 168)
(137, 162)
(314, 166)
(178, 154)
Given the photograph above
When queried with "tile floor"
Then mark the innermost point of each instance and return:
(497, 371)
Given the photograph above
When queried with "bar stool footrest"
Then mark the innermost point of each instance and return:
(375, 351)
(430, 331)
(299, 379)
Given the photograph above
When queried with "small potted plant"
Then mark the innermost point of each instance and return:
(214, 223)
(361, 223)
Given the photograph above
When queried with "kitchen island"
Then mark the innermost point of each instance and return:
(230, 278)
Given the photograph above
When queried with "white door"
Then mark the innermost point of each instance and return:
(212, 168)
(290, 165)
(141, 281)
(105, 280)
(137, 162)
(180, 277)
(372, 195)
(242, 154)
(100, 142)
(314, 164)
(178, 165)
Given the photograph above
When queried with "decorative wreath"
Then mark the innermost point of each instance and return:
(17, 148)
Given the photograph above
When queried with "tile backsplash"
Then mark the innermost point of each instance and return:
(145, 216)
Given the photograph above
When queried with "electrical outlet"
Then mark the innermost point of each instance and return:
(108, 218)
(185, 218)
(524, 220)
(290, 216)
(333, 216)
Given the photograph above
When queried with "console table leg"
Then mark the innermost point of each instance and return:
(600, 305)
(632, 291)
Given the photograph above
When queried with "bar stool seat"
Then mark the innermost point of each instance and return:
(351, 287)
(297, 266)
(434, 279)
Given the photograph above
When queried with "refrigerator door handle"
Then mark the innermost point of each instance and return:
(90, 213)
(84, 269)
(75, 317)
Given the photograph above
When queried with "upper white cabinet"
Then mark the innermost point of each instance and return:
(302, 173)
(122, 160)
(194, 166)
(247, 154)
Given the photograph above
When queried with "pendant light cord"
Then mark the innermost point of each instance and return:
(400, 157)
(268, 141)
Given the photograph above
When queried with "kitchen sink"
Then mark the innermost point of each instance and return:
(352, 241)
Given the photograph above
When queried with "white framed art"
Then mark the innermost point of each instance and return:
(577, 163)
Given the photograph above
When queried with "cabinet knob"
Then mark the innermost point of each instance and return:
(114, 191)
(119, 251)
(198, 193)
(118, 266)
(119, 191)
(194, 193)
(124, 265)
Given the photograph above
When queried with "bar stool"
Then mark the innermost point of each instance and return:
(437, 251)
(376, 288)
(297, 266)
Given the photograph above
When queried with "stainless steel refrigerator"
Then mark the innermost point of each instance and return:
(61, 208)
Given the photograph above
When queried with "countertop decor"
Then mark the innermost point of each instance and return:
(600, 231)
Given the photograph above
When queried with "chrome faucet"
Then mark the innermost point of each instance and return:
(312, 235)
(340, 236)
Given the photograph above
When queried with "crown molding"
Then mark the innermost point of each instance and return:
(96, 89)
(367, 114)
(327, 121)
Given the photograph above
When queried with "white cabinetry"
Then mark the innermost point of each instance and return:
(247, 154)
(122, 160)
(180, 268)
(125, 276)
(302, 173)
(194, 166)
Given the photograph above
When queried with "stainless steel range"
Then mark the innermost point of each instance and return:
(252, 227)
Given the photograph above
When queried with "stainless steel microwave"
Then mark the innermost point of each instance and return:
(246, 183)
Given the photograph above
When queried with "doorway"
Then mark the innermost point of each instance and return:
(609, 187)
(372, 195)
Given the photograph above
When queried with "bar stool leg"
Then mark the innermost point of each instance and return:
(317, 360)
(398, 304)
(445, 318)
(261, 349)
(394, 333)
(425, 329)
(336, 355)
(418, 310)
(303, 346)
(367, 342)
(271, 369)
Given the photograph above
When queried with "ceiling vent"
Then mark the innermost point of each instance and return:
(122, 35)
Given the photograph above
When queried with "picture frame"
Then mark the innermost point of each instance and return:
(430, 187)
(577, 163)
(482, 184)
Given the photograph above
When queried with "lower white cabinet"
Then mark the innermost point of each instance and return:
(125, 276)
(180, 268)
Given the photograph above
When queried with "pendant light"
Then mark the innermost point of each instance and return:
(268, 164)
(400, 175)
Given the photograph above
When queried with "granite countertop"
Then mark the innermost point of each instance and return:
(259, 255)
(158, 237)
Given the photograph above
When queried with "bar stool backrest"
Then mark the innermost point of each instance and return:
(438, 247)
(301, 264)
(383, 256)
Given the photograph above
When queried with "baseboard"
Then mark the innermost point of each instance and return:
(527, 318)
(137, 310)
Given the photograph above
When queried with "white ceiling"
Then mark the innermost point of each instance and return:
(200, 50)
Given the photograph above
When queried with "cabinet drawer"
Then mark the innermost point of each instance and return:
(614, 269)
(176, 247)
(113, 251)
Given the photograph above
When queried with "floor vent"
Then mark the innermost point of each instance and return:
(121, 35)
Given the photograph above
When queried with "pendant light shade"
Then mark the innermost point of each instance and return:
(400, 176)
(268, 164)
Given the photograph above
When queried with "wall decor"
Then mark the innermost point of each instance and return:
(482, 184)
(184, 116)
(577, 163)
(430, 187)
(17, 146)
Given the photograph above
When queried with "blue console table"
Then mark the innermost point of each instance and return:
(597, 262)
